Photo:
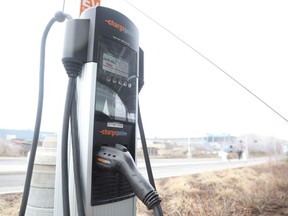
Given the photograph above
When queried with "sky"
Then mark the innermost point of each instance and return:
(184, 95)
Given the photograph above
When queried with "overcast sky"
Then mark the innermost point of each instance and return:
(184, 94)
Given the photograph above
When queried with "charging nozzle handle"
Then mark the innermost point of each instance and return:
(119, 159)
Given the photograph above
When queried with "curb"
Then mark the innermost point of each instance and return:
(13, 158)
(16, 191)
(7, 172)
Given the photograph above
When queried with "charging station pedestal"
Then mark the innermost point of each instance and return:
(107, 100)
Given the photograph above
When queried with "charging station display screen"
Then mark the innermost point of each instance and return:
(116, 81)
(115, 65)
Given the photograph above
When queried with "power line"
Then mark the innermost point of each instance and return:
(210, 61)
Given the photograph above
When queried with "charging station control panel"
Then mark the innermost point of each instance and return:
(116, 51)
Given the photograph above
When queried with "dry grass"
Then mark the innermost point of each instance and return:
(258, 190)
(8, 149)
(10, 204)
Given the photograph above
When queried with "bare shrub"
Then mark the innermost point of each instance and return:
(9, 149)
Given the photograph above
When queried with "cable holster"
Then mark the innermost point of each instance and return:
(75, 44)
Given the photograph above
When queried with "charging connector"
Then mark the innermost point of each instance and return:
(119, 159)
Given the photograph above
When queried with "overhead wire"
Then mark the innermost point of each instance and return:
(209, 60)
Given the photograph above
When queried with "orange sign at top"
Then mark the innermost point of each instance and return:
(87, 4)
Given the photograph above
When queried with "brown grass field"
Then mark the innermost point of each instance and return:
(257, 190)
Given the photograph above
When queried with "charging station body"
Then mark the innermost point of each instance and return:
(107, 98)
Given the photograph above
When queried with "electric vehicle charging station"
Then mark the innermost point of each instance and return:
(96, 174)
(106, 42)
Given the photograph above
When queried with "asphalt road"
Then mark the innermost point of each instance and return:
(12, 174)
(11, 183)
(12, 171)
(169, 168)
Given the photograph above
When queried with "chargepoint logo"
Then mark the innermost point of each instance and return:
(120, 28)
(113, 133)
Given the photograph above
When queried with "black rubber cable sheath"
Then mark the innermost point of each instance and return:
(76, 158)
(145, 150)
(157, 210)
(64, 145)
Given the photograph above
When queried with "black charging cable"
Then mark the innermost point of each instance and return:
(73, 68)
(64, 146)
(76, 158)
(58, 17)
(157, 209)
(145, 149)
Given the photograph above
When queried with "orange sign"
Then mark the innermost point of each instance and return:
(87, 4)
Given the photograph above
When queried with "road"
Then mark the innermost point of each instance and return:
(11, 183)
(12, 174)
(176, 167)
(12, 171)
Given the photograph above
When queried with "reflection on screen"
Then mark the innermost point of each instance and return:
(115, 65)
